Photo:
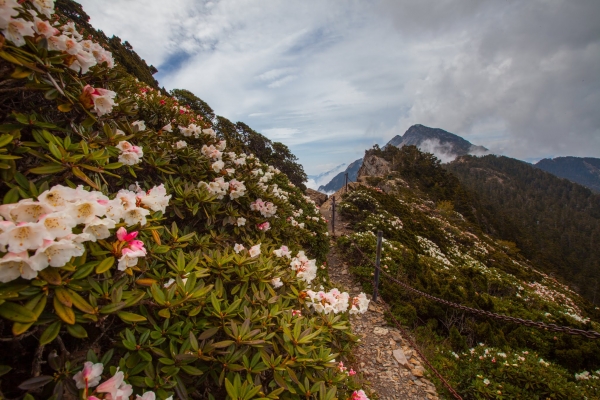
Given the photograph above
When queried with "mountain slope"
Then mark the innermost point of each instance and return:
(556, 223)
(585, 171)
(433, 248)
(340, 179)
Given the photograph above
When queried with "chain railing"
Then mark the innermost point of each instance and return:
(540, 325)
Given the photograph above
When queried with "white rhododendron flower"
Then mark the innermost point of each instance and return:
(211, 152)
(167, 128)
(236, 189)
(45, 7)
(209, 132)
(241, 221)
(57, 254)
(276, 282)
(25, 210)
(359, 304)
(43, 28)
(16, 31)
(217, 166)
(23, 236)
(141, 125)
(267, 209)
(99, 228)
(305, 269)
(218, 187)
(156, 198)
(7, 11)
(238, 247)
(181, 144)
(254, 250)
(102, 99)
(221, 145)
(84, 211)
(130, 154)
(283, 252)
(14, 265)
(135, 216)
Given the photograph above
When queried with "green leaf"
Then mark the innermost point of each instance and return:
(55, 151)
(77, 331)
(131, 317)
(50, 332)
(113, 307)
(16, 313)
(105, 265)
(5, 139)
(47, 169)
(12, 196)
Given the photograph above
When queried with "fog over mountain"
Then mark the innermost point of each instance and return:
(314, 181)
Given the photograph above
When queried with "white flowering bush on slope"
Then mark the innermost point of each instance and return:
(138, 256)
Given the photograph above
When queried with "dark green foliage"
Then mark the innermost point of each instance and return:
(582, 170)
(554, 222)
(425, 172)
(198, 105)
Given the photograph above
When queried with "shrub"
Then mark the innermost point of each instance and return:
(138, 255)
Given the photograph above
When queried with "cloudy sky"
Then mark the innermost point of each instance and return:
(330, 78)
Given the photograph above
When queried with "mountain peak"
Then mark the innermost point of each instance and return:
(443, 144)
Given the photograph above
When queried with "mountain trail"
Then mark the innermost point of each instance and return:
(386, 360)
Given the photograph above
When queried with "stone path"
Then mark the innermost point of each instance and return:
(385, 359)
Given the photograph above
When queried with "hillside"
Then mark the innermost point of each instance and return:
(147, 249)
(584, 171)
(435, 249)
(555, 223)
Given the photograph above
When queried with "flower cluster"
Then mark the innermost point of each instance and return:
(219, 187)
(46, 226)
(102, 100)
(344, 370)
(336, 301)
(83, 54)
(115, 387)
(130, 154)
(267, 209)
(306, 269)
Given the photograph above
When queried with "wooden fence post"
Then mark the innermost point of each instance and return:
(377, 265)
(333, 215)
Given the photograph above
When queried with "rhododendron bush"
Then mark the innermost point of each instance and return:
(138, 255)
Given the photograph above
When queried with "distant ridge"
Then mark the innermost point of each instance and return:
(582, 170)
(340, 179)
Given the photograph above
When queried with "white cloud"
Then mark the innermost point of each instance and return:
(331, 78)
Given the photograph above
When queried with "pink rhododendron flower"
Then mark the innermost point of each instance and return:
(265, 226)
(89, 376)
(359, 395)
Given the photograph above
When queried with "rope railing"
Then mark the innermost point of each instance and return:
(540, 325)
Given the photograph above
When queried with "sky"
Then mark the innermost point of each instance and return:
(331, 78)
